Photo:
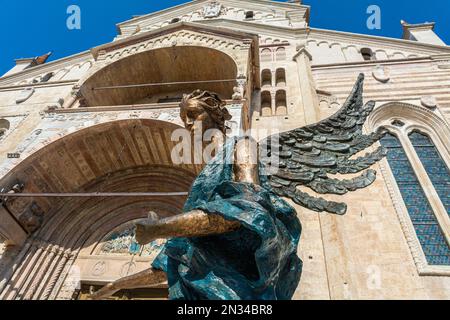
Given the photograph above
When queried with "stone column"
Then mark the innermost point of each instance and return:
(310, 100)
(10, 229)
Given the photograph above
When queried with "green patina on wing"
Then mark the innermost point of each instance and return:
(308, 155)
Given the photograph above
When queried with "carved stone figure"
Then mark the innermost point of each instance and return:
(32, 218)
(238, 238)
(212, 10)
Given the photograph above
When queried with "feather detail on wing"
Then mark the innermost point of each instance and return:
(308, 155)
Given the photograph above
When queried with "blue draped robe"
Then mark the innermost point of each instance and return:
(257, 262)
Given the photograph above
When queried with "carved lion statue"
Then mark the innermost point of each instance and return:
(206, 109)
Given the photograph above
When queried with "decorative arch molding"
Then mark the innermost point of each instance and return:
(401, 119)
(72, 163)
(240, 47)
(229, 46)
(42, 269)
(56, 126)
(418, 116)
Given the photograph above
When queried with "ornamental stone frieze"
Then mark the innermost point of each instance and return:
(56, 125)
(10, 123)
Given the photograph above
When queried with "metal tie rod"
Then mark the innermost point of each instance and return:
(94, 195)
(161, 84)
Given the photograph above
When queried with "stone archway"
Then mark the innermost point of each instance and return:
(120, 156)
(212, 69)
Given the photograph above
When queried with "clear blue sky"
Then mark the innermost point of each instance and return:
(30, 28)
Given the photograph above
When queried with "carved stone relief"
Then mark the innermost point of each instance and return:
(122, 243)
(381, 74)
(24, 95)
(212, 10)
(32, 218)
(22, 147)
(9, 124)
(429, 102)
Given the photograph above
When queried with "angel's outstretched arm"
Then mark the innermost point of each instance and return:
(146, 279)
(192, 224)
(198, 223)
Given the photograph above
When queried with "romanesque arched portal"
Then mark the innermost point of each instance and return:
(119, 156)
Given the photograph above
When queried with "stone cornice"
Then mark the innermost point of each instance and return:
(39, 85)
(331, 35)
(284, 32)
(374, 63)
(47, 67)
(195, 5)
(229, 33)
(363, 39)
(134, 107)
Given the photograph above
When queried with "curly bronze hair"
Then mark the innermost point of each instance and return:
(200, 101)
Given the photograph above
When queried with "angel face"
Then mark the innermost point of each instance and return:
(196, 118)
(203, 110)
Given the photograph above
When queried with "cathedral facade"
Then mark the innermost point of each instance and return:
(86, 145)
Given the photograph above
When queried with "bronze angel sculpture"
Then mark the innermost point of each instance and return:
(238, 238)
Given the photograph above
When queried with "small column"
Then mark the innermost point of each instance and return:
(310, 100)
(10, 229)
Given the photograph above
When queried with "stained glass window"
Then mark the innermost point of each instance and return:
(434, 165)
(427, 227)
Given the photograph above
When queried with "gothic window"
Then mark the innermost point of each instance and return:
(423, 218)
(281, 105)
(266, 55)
(281, 54)
(281, 77)
(266, 77)
(434, 165)
(266, 104)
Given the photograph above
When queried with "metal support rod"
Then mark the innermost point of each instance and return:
(161, 84)
(94, 195)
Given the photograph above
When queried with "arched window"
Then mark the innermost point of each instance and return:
(418, 181)
(266, 55)
(281, 77)
(249, 15)
(281, 105)
(367, 54)
(423, 218)
(266, 77)
(281, 54)
(266, 104)
(434, 165)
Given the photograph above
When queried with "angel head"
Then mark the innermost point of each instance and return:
(206, 109)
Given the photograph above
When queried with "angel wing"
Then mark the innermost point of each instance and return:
(308, 155)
